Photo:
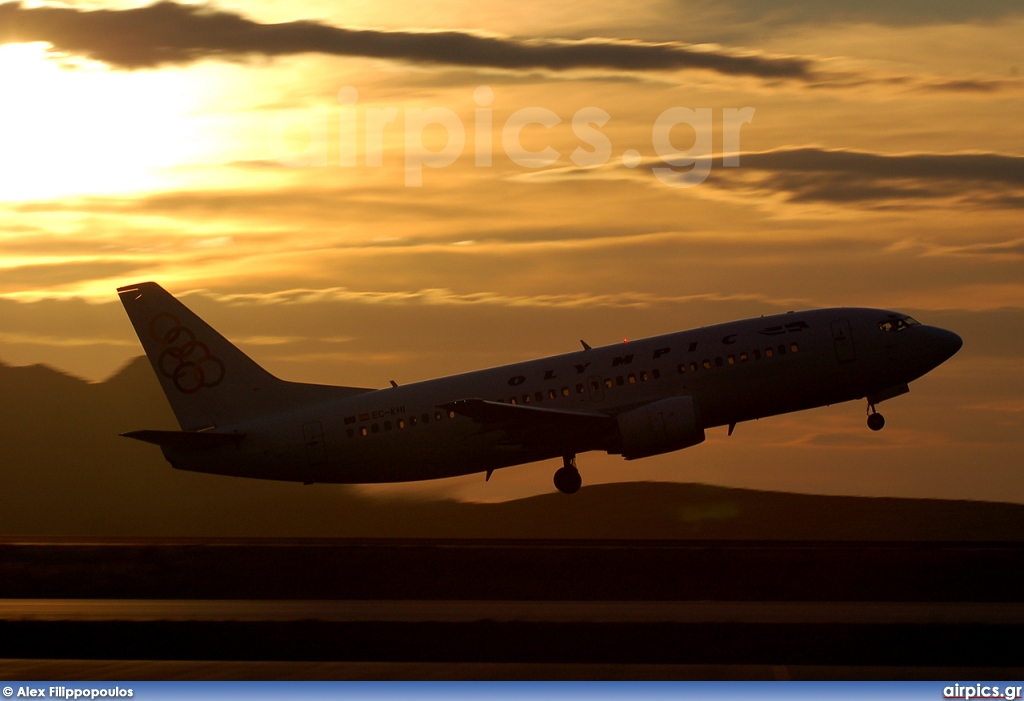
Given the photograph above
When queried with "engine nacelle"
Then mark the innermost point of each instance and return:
(659, 427)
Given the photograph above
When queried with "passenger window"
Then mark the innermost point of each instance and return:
(643, 376)
(580, 388)
(363, 431)
(512, 400)
(451, 414)
(693, 367)
(656, 373)
(731, 360)
(632, 378)
(794, 347)
(412, 420)
(609, 382)
(526, 399)
(401, 423)
(743, 357)
(552, 394)
(682, 368)
(438, 415)
(768, 353)
(595, 385)
(565, 391)
(707, 364)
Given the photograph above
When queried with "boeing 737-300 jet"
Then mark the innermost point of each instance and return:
(635, 399)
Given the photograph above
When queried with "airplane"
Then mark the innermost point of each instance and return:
(636, 399)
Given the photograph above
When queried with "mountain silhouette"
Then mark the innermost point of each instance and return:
(66, 471)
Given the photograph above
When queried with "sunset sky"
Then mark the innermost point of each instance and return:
(368, 190)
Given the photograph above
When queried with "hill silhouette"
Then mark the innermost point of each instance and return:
(66, 471)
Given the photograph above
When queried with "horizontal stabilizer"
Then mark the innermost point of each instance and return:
(193, 440)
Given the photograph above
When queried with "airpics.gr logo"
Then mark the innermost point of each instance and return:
(188, 363)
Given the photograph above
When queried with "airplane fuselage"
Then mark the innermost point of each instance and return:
(705, 377)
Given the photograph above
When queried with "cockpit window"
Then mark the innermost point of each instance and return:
(897, 323)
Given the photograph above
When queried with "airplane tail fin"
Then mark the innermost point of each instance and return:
(208, 381)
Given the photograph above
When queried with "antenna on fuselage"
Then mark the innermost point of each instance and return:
(586, 346)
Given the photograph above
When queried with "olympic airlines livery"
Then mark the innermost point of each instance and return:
(634, 399)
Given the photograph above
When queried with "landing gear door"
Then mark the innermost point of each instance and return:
(843, 341)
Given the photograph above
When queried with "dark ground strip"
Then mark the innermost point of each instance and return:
(120, 670)
(488, 641)
(516, 570)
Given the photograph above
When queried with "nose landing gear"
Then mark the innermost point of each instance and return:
(567, 477)
(875, 420)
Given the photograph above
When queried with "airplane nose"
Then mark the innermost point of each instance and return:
(926, 348)
(943, 344)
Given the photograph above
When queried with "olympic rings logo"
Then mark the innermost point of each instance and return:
(186, 362)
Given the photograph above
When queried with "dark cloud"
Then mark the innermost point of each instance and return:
(976, 86)
(989, 167)
(881, 12)
(170, 33)
(967, 85)
(982, 180)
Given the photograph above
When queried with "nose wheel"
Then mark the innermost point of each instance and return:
(567, 477)
(875, 420)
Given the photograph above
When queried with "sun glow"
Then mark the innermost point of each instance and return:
(72, 128)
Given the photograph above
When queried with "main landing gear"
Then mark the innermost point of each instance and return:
(875, 420)
(567, 477)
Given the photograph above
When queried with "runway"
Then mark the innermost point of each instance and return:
(688, 612)
(443, 609)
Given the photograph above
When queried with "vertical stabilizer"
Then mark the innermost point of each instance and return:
(208, 381)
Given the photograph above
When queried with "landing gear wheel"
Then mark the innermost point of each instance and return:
(876, 422)
(567, 477)
(568, 481)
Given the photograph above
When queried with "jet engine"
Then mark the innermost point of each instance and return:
(659, 427)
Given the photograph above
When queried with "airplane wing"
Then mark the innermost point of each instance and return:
(531, 424)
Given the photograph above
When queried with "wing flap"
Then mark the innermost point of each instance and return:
(520, 419)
